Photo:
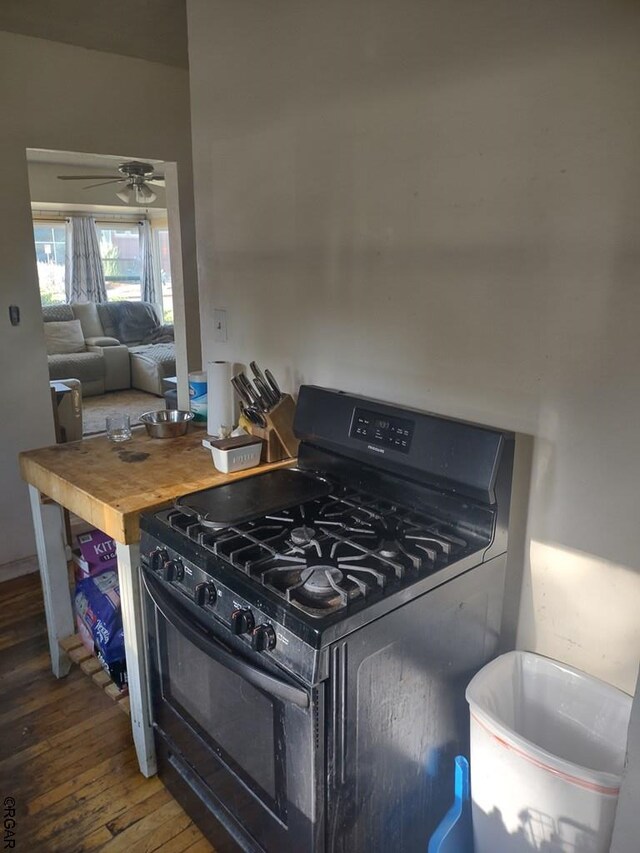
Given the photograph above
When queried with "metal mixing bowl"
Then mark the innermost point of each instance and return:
(167, 423)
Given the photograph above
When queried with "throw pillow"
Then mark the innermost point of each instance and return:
(64, 337)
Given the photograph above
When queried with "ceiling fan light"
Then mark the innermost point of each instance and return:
(144, 194)
(127, 195)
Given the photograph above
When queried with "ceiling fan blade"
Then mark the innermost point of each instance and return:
(104, 183)
(86, 177)
(158, 180)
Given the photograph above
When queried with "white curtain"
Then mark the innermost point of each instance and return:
(68, 259)
(87, 275)
(149, 293)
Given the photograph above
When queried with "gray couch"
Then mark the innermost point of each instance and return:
(126, 347)
(151, 346)
(102, 366)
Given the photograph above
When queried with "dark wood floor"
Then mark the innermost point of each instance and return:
(66, 753)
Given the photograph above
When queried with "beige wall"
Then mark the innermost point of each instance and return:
(53, 96)
(436, 203)
(156, 31)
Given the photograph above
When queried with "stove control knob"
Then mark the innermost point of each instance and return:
(241, 621)
(204, 593)
(263, 638)
(173, 570)
(158, 558)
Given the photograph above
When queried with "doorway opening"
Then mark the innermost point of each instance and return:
(101, 228)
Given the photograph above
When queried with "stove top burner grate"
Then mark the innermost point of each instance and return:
(330, 551)
(327, 573)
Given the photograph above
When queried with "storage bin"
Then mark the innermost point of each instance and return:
(547, 752)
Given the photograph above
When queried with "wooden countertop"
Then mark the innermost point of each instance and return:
(109, 484)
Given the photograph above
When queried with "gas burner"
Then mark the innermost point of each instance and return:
(402, 538)
(390, 532)
(321, 580)
(326, 574)
(332, 512)
(302, 535)
(301, 515)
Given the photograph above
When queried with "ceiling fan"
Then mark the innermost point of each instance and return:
(136, 177)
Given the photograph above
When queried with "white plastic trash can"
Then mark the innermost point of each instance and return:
(547, 752)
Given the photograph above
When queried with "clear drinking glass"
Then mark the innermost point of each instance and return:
(118, 428)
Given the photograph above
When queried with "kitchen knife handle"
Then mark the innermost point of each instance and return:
(274, 385)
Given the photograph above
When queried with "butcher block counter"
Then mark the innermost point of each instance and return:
(109, 485)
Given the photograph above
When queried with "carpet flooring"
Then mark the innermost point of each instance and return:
(130, 402)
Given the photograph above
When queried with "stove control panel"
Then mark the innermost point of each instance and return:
(205, 594)
(382, 431)
(158, 559)
(242, 621)
(224, 607)
(173, 570)
(263, 638)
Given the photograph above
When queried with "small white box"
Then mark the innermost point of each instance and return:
(234, 454)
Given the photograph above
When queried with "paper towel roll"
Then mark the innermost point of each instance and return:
(219, 397)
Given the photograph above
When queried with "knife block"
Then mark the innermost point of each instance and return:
(272, 450)
(279, 439)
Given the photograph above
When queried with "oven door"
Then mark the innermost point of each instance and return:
(248, 732)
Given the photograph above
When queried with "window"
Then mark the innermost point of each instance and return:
(121, 261)
(164, 266)
(120, 252)
(50, 240)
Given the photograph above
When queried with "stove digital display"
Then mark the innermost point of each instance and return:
(381, 431)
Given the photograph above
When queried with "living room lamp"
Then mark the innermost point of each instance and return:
(144, 193)
(136, 191)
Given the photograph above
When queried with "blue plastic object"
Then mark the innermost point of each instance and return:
(455, 834)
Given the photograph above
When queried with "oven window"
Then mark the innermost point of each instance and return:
(236, 718)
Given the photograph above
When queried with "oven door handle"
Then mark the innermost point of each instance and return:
(226, 657)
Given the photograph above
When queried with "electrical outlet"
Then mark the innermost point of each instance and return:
(220, 325)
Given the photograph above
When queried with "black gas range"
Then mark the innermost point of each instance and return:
(311, 630)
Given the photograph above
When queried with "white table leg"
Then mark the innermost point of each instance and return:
(48, 525)
(135, 649)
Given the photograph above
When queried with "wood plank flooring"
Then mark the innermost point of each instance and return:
(66, 753)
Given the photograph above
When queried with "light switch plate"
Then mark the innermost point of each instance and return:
(220, 325)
